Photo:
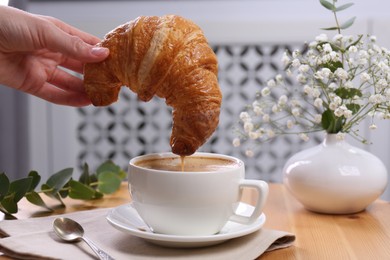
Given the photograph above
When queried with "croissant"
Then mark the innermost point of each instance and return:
(169, 57)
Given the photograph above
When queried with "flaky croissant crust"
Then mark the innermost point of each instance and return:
(166, 56)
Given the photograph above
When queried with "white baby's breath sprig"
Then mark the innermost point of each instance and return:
(340, 81)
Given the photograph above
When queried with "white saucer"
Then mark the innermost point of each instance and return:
(125, 218)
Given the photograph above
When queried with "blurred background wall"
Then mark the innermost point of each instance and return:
(248, 37)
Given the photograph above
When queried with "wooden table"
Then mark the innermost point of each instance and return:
(360, 236)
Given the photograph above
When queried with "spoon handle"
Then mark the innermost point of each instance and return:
(99, 252)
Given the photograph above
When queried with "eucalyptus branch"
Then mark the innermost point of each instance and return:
(105, 180)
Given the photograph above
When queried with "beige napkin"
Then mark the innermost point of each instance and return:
(34, 239)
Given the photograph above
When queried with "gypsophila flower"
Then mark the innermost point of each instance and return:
(313, 44)
(372, 126)
(383, 67)
(295, 111)
(318, 118)
(245, 117)
(341, 74)
(337, 38)
(271, 83)
(249, 153)
(332, 86)
(365, 77)
(327, 48)
(285, 59)
(276, 108)
(352, 49)
(301, 78)
(340, 136)
(296, 54)
(282, 100)
(333, 106)
(381, 84)
(304, 137)
(236, 142)
(348, 84)
(307, 89)
(270, 133)
(265, 91)
(253, 135)
(322, 38)
(324, 73)
(296, 63)
(376, 99)
(279, 78)
(304, 68)
(339, 112)
(347, 113)
(258, 110)
(290, 124)
(337, 100)
(248, 127)
(318, 102)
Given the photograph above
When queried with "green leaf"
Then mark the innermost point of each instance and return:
(9, 204)
(327, 118)
(98, 195)
(93, 178)
(49, 191)
(64, 191)
(343, 7)
(333, 65)
(336, 48)
(4, 185)
(348, 23)
(20, 187)
(59, 179)
(84, 177)
(36, 178)
(355, 42)
(122, 175)
(109, 182)
(108, 166)
(330, 28)
(330, 123)
(353, 107)
(81, 191)
(348, 93)
(34, 198)
(328, 5)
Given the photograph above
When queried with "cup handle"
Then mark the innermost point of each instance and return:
(262, 190)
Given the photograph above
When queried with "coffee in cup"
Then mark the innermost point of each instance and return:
(188, 164)
(197, 201)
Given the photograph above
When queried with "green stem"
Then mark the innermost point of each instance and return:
(337, 21)
(339, 31)
(94, 184)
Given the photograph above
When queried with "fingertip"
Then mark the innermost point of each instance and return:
(100, 52)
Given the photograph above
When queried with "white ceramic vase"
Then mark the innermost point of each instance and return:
(335, 177)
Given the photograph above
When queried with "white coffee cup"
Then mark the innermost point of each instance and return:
(191, 203)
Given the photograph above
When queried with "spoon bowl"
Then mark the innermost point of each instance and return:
(71, 231)
(68, 229)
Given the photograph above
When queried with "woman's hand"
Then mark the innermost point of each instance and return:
(34, 50)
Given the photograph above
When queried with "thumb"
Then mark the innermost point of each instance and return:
(72, 46)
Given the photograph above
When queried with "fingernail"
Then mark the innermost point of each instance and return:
(99, 51)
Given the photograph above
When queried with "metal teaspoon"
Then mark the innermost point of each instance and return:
(71, 231)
